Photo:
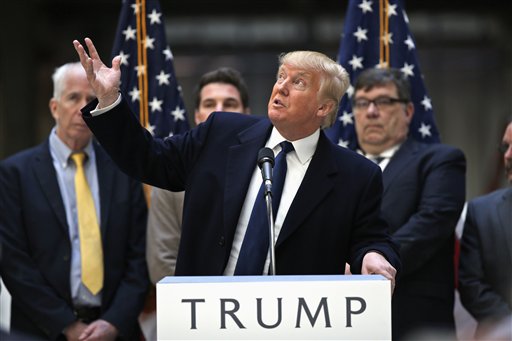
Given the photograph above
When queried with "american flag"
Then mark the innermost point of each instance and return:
(376, 34)
(147, 72)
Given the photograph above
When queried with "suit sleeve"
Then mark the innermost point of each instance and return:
(160, 163)
(163, 234)
(442, 195)
(37, 298)
(371, 232)
(477, 295)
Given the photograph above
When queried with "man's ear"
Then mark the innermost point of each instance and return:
(197, 120)
(409, 111)
(53, 107)
(325, 108)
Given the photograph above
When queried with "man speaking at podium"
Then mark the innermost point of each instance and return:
(329, 212)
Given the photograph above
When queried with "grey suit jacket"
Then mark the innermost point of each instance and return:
(163, 232)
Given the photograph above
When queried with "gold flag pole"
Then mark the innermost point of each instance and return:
(142, 74)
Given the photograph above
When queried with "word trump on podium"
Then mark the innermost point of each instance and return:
(332, 307)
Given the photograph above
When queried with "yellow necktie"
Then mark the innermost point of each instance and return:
(91, 250)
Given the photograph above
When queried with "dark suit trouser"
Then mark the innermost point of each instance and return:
(409, 322)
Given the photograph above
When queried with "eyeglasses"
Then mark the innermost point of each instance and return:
(380, 102)
(503, 147)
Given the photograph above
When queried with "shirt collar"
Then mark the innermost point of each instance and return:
(387, 154)
(304, 148)
(62, 152)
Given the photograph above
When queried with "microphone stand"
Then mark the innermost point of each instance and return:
(266, 162)
(270, 218)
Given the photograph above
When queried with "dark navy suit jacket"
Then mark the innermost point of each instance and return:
(424, 193)
(333, 219)
(485, 276)
(36, 250)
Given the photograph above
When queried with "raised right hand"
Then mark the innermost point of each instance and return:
(104, 81)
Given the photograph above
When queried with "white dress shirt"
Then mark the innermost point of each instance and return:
(385, 155)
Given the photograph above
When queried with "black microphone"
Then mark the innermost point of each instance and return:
(266, 162)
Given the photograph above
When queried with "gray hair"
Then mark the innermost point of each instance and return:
(334, 78)
(59, 76)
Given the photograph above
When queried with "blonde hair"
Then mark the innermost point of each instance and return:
(334, 80)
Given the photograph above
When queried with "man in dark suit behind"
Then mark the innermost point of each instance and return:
(40, 233)
(424, 193)
(329, 211)
(485, 263)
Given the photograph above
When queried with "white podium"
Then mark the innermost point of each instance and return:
(334, 307)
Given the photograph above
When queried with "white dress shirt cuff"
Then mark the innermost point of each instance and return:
(97, 111)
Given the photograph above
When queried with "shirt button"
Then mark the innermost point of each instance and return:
(222, 241)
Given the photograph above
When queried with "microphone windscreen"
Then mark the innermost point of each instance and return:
(265, 155)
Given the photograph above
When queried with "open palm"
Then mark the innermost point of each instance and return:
(104, 81)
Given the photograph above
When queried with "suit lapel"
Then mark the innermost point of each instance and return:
(398, 162)
(44, 171)
(504, 210)
(105, 183)
(318, 180)
(242, 159)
